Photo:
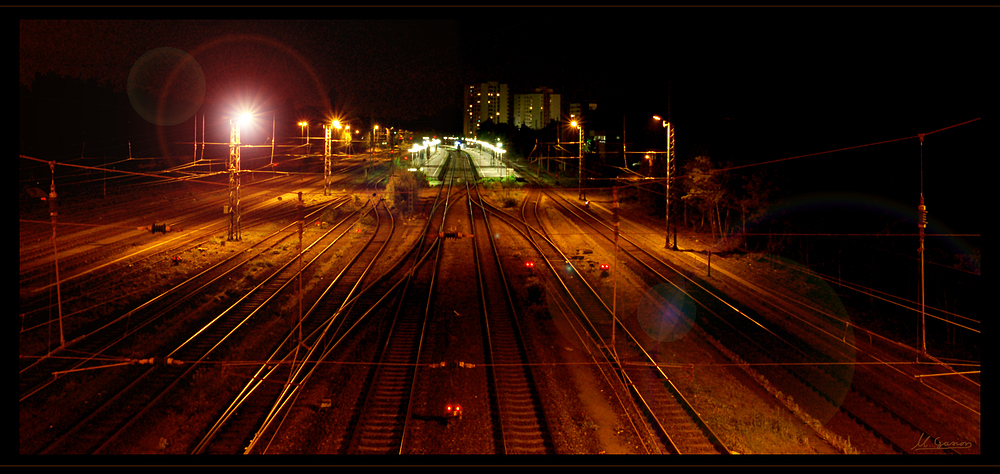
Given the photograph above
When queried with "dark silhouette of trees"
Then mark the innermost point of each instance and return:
(724, 200)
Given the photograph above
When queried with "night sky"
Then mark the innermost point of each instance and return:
(746, 85)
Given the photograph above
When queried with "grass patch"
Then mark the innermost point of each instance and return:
(504, 192)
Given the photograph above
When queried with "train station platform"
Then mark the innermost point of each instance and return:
(486, 164)
(432, 165)
(489, 166)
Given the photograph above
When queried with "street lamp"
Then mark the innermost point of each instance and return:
(304, 126)
(669, 145)
(583, 195)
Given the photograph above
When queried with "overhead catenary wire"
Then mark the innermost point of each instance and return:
(112, 362)
(917, 136)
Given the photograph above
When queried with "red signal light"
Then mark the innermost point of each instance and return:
(529, 264)
(605, 267)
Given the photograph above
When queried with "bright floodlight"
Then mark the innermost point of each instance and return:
(244, 119)
(573, 124)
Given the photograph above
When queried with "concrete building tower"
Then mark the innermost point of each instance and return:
(483, 102)
(536, 110)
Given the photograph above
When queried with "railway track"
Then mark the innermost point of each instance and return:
(677, 427)
(82, 253)
(89, 293)
(515, 396)
(406, 379)
(382, 419)
(79, 248)
(820, 380)
(124, 407)
(260, 405)
(96, 340)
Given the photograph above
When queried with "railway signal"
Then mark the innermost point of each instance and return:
(529, 264)
(161, 228)
(453, 411)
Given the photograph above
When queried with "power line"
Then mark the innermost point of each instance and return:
(846, 148)
(134, 173)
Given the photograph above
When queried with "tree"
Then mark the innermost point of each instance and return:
(757, 191)
(492, 132)
(704, 188)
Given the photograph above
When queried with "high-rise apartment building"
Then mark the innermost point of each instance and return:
(536, 110)
(485, 101)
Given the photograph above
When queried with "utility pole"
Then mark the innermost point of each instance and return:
(55, 251)
(234, 181)
(670, 169)
(301, 224)
(670, 174)
(328, 130)
(583, 194)
(922, 223)
(614, 291)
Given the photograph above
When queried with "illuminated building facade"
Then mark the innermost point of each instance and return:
(485, 101)
(536, 110)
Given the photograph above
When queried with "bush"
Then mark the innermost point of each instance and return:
(402, 188)
(504, 190)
